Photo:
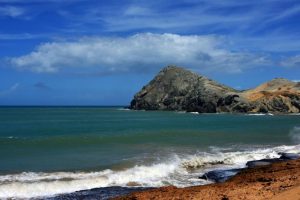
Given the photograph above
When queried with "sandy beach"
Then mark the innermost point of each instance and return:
(278, 181)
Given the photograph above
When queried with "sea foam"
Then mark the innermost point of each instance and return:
(180, 171)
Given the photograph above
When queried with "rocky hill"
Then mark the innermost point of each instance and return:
(175, 88)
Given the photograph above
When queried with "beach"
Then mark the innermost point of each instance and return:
(105, 152)
(278, 181)
(149, 100)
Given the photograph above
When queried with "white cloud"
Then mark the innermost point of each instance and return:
(293, 61)
(14, 87)
(287, 13)
(160, 17)
(21, 36)
(137, 53)
(11, 89)
(11, 11)
(137, 11)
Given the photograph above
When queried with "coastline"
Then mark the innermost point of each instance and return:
(278, 180)
(147, 150)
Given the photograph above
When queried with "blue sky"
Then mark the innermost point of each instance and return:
(94, 52)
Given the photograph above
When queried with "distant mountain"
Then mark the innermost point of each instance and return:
(175, 88)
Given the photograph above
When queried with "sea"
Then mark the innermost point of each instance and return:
(50, 151)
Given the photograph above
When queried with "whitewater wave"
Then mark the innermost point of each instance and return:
(124, 109)
(9, 137)
(180, 112)
(180, 171)
(260, 114)
(195, 113)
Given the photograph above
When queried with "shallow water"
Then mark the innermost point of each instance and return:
(53, 150)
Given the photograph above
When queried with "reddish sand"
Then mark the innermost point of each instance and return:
(278, 181)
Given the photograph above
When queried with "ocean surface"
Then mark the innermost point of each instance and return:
(46, 151)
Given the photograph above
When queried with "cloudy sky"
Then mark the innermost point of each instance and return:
(97, 52)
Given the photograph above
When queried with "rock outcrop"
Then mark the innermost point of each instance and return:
(175, 88)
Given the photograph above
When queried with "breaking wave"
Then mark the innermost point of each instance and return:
(260, 114)
(180, 171)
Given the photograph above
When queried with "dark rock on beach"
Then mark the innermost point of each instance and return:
(97, 193)
(264, 162)
(175, 88)
(220, 176)
(289, 156)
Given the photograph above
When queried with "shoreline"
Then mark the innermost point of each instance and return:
(278, 179)
(224, 180)
(107, 184)
(127, 108)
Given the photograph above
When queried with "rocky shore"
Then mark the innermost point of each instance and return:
(277, 178)
(175, 88)
(264, 179)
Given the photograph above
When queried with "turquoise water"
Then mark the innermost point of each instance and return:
(48, 140)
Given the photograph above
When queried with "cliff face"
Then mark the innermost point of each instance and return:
(175, 88)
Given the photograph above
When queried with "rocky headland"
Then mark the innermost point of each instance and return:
(175, 88)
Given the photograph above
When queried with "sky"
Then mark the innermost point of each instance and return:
(96, 52)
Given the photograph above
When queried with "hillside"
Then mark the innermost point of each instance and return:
(175, 88)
